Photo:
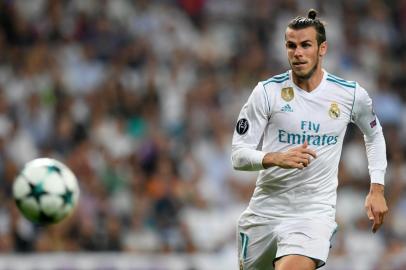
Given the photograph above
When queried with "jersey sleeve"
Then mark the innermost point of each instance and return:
(364, 117)
(252, 121)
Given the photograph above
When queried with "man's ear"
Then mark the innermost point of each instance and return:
(323, 49)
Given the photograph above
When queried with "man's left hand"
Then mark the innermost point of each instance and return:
(375, 205)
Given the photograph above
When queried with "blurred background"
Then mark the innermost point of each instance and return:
(140, 99)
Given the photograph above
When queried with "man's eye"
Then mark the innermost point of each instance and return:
(306, 45)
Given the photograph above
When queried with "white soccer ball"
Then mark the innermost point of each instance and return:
(46, 191)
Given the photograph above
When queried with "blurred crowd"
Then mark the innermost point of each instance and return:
(140, 98)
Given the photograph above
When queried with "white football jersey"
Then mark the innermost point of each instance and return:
(278, 116)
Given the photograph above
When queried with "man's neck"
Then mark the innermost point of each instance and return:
(309, 84)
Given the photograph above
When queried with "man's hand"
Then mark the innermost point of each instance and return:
(375, 205)
(297, 157)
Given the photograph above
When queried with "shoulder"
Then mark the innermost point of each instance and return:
(277, 79)
(274, 84)
(340, 82)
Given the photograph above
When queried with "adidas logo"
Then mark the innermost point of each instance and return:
(287, 108)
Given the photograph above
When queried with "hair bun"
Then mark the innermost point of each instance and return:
(312, 14)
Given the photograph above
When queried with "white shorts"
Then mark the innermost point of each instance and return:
(262, 241)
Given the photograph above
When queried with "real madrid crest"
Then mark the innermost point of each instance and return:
(334, 110)
(287, 93)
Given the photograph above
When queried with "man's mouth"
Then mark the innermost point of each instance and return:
(299, 64)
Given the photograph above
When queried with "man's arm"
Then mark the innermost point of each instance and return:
(252, 121)
(365, 118)
(295, 158)
(375, 202)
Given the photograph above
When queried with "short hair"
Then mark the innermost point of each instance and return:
(311, 21)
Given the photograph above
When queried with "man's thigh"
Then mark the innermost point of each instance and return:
(295, 262)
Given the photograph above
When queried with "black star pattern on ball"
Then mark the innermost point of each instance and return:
(37, 190)
(54, 168)
(67, 197)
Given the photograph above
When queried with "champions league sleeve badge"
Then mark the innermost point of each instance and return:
(334, 111)
(242, 126)
(287, 94)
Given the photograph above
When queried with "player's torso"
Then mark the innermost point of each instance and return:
(319, 117)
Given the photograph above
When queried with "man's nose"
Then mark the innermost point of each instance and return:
(298, 52)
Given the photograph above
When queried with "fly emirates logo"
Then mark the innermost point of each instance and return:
(310, 133)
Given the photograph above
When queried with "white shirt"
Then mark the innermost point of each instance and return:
(278, 116)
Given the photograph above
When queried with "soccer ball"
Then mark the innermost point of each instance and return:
(45, 191)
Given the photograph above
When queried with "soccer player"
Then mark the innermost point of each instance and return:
(291, 130)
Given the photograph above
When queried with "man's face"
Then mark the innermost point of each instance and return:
(303, 51)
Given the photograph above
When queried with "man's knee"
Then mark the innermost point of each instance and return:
(295, 262)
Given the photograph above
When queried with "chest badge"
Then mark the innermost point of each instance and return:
(287, 93)
(334, 111)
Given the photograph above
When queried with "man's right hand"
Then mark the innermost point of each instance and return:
(295, 158)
